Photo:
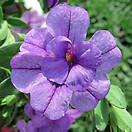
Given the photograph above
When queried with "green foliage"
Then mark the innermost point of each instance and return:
(2, 2)
(9, 39)
(3, 31)
(21, 36)
(17, 22)
(101, 115)
(7, 111)
(116, 97)
(10, 100)
(1, 16)
(7, 88)
(44, 5)
(7, 52)
(121, 118)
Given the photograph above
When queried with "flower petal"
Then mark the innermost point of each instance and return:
(100, 85)
(51, 100)
(110, 59)
(25, 47)
(57, 46)
(83, 101)
(104, 40)
(52, 3)
(30, 128)
(72, 114)
(55, 70)
(111, 54)
(90, 56)
(24, 79)
(29, 110)
(27, 61)
(59, 103)
(39, 121)
(39, 37)
(79, 22)
(71, 22)
(79, 78)
(64, 123)
(21, 125)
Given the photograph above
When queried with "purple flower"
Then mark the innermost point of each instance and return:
(57, 66)
(52, 3)
(39, 123)
(33, 20)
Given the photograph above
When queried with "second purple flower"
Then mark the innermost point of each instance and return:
(57, 66)
(52, 3)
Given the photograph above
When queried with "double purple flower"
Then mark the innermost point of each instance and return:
(33, 20)
(52, 3)
(39, 123)
(57, 66)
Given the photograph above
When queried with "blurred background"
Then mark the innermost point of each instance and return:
(112, 15)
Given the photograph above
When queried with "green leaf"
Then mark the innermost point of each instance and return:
(1, 16)
(101, 115)
(121, 118)
(7, 88)
(10, 100)
(9, 40)
(3, 31)
(21, 36)
(2, 2)
(7, 52)
(113, 125)
(116, 97)
(44, 4)
(17, 22)
(7, 111)
(3, 102)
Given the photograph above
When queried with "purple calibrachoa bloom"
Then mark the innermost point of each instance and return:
(39, 123)
(33, 20)
(57, 66)
(52, 3)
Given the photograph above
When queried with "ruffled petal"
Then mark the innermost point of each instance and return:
(32, 61)
(83, 101)
(57, 46)
(104, 40)
(88, 55)
(39, 37)
(79, 78)
(55, 69)
(100, 85)
(51, 100)
(24, 79)
(110, 59)
(71, 22)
